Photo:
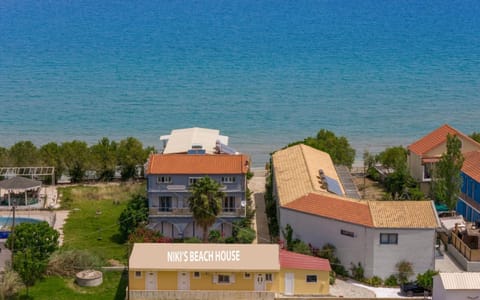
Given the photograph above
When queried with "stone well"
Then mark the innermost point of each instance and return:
(89, 278)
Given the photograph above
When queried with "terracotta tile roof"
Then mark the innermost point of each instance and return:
(324, 205)
(296, 171)
(434, 139)
(292, 260)
(197, 164)
(379, 214)
(471, 165)
(403, 214)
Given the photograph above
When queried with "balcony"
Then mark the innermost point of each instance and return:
(471, 254)
(185, 211)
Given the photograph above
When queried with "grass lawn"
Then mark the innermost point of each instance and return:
(58, 288)
(92, 225)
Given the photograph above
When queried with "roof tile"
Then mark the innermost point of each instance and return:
(197, 164)
(471, 165)
(403, 214)
(435, 138)
(292, 260)
(324, 205)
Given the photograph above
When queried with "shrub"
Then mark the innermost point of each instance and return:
(69, 262)
(328, 252)
(357, 271)
(331, 277)
(245, 235)
(425, 280)
(192, 240)
(301, 247)
(391, 281)
(214, 236)
(405, 270)
(10, 284)
(374, 281)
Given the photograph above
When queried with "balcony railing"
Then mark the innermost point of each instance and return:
(154, 211)
(470, 254)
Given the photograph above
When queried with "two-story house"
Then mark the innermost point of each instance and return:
(169, 177)
(468, 204)
(377, 234)
(425, 152)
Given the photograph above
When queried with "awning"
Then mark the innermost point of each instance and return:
(428, 160)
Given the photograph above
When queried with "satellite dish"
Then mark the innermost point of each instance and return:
(243, 203)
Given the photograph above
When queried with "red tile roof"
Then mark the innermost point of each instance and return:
(292, 260)
(203, 164)
(434, 138)
(344, 210)
(471, 165)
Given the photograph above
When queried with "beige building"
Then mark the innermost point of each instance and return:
(209, 271)
(376, 234)
(424, 153)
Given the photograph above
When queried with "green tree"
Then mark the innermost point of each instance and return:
(135, 214)
(405, 271)
(76, 157)
(51, 156)
(130, 153)
(447, 180)
(393, 157)
(4, 159)
(475, 136)
(425, 280)
(104, 157)
(23, 154)
(338, 147)
(32, 244)
(205, 203)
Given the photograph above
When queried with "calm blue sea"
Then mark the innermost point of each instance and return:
(265, 73)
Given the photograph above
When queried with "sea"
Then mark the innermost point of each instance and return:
(265, 73)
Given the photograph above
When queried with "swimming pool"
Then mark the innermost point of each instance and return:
(6, 223)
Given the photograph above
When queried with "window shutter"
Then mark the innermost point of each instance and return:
(232, 278)
(215, 278)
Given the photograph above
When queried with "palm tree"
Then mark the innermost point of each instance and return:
(205, 203)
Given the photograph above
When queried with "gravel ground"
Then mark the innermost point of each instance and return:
(346, 289)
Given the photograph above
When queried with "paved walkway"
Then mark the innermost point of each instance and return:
(257, 185)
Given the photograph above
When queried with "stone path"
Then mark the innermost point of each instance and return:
(260, 224)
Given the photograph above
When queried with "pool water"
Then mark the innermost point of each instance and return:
(6, 223)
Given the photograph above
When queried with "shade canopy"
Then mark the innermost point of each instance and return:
(19, 183)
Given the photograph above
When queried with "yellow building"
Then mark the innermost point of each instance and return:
(223, 271)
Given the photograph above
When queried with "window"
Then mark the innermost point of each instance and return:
(196, 275)
(222, 278)
(164, 179)
(311, 279)
(427, 171)
(229, 204)
(138, 274)
(192, 180)
(228, 179)
(269, 277)
(165, 203)
(388, 238)
(247, 275)
(347, 233)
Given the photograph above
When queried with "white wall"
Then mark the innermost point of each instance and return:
(439, 292)
(416, 246)
(319, 231)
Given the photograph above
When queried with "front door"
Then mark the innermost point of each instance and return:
(151, 281)
(183, 281)
(259, 282)
(289, 284)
